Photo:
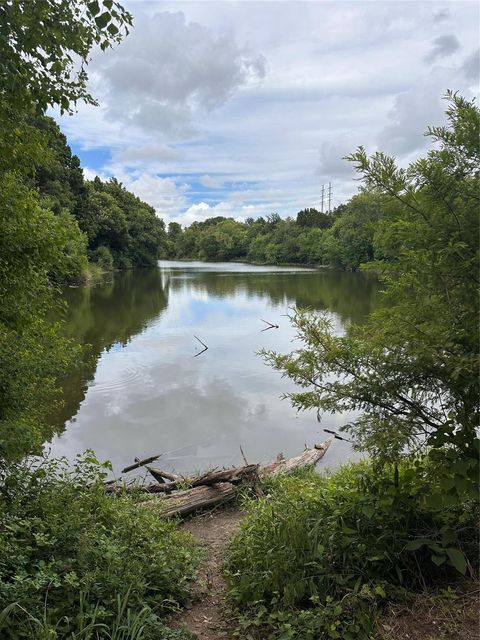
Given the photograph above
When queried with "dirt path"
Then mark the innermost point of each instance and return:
(207, 618)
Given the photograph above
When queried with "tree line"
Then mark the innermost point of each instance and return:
(344, 238)
(107, 225)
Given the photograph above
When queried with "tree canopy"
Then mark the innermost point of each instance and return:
(41, 244)
(412, 370)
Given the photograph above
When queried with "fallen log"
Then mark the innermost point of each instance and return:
(234, 476)
(309, 457)
(218, 491)
(182, 503)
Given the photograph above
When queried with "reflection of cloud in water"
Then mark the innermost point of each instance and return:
(202, 425)
(150, 395)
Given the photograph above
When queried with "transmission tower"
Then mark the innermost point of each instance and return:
(329, 197)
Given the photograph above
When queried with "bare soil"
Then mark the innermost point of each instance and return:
(208, 617)
(435, 617)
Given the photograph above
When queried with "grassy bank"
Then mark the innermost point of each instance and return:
(77, 564)
(320, 557)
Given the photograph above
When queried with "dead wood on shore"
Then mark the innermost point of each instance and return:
(183, 495)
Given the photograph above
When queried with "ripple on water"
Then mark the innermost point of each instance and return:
(122, 379)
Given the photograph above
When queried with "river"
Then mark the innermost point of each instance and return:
(145, 389)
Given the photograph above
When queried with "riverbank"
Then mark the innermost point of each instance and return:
(348, 554)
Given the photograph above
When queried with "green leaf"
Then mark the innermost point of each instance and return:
(457, 559)
(368, 510)
(438, 560)
(102, 20)
(112, 29)
(413, 545)
(93, 8)
(380, 591)
(349, 531)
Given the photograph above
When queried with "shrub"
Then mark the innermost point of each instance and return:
(318, 553)
(102, 256)
(71, 557)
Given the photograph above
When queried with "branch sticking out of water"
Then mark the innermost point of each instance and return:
(203, 350)
(141, 463)
(270, 325)
(335, 435)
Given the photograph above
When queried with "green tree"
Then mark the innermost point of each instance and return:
(40, 46)
(42, 43)
(313, 218)
(412, 370)
(120, 221)
(349, 242)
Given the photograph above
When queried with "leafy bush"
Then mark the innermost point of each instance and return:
(103, 257)
(73, 559)
(315, 557)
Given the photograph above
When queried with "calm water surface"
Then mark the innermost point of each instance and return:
(144, 392)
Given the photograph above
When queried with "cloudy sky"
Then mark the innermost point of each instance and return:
(245, 108)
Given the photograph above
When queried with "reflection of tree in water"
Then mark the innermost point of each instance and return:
(351, 295)
(103, 315)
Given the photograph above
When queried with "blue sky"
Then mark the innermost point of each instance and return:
(245, 108)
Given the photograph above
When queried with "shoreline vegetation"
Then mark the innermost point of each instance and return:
(317, 557)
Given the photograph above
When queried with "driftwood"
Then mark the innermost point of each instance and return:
(141, 463)
(160, 475)
(305, 459)
(234, 476)
(217, 487)
(181, 503)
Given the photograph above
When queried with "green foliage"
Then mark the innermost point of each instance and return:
(313, 218)
(121, 222)
(349, 242)
(36, 248)
(318, 555)
(75, 563)
(412, 369)
(310, 239)
(102, 256)
(42, 43)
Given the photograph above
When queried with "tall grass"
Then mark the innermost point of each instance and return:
(317, 555)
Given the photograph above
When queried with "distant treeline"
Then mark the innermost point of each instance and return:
(106, 224)
(107, 227)
(343, 238)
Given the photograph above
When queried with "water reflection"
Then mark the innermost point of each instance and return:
(144, 392)
(105, 317)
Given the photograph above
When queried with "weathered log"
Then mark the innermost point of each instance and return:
(141, 463)
(160, 475)
(309, 457)
(200, 497)
(234, 475)
(182, 503)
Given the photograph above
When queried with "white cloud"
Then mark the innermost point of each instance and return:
(149, 153)
(211, 183)
(201, 211)
(189, 99)
(471, 66)
(169, 68)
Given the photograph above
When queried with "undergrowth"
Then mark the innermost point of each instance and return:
(318, 556)
(77, 564)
